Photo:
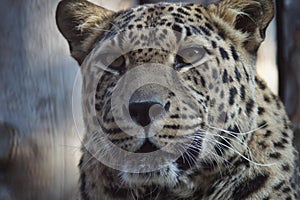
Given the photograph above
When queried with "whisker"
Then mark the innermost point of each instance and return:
(233, 134)
(193, 148)
(101, 29)
(230, 146)
(240, 154)
(190, 157)
(239, 133)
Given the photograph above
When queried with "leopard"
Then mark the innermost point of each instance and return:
(172, 105)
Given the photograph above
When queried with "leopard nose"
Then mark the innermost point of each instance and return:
(143, 113)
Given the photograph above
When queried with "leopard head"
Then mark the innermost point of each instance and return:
(167, 88)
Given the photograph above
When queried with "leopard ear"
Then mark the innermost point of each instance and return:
(248, 16)
(81, 23)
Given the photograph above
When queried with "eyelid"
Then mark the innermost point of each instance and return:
(191, 47)
(103, 57)
(100, 61)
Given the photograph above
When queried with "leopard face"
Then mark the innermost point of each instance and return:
(169, 91)
(204, 89)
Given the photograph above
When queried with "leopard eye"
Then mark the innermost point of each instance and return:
(113, 61)
(189, 56)
(119, 62)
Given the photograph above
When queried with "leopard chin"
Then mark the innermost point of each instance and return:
(165, 170)
(165, 177)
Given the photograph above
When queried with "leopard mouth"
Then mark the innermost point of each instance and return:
(187, 159)
(147, 147)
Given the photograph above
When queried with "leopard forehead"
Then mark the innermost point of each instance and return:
(160, 15)
(156, 22)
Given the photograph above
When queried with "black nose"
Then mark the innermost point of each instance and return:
(145, 112)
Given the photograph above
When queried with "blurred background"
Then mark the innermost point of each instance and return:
(39, 144)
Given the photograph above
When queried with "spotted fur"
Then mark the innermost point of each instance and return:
(241, 136)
